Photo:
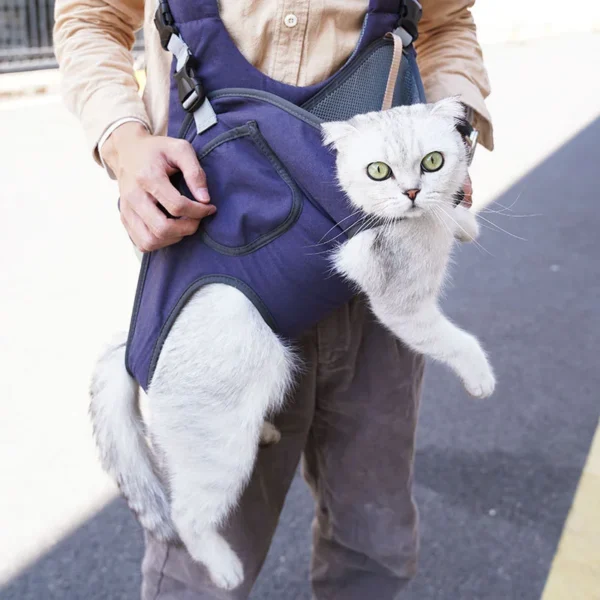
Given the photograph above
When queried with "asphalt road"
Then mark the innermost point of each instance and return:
(494, 479)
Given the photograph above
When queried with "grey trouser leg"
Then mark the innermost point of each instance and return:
(354, 415)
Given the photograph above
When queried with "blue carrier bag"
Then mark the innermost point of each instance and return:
(268, 173)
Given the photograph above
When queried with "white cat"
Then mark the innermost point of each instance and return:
(218, 378)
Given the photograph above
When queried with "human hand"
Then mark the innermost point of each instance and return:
(142, 164)
(467, 200)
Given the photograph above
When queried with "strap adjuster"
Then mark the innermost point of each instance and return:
(190, 90)
(469, 134)
(165, 24)
(410, 17)
(472, 143)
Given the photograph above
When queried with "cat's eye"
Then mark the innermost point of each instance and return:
(378, 171)
(433, 161)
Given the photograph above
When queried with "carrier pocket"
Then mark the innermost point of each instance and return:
(256, 198)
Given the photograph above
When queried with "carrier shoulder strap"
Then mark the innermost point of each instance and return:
(404, 35)
(189, 88)
(390, 87)
(191, 93)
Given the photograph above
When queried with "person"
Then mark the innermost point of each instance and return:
(354, 413)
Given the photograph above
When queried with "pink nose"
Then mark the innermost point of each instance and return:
(412, 194)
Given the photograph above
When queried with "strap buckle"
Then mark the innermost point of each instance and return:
(410, 17)
(165, 24)
(469, 134)
(190, 90)
(472, 143)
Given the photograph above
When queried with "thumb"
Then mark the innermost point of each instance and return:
(183, 158)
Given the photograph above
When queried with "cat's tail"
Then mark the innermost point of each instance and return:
(120, 435)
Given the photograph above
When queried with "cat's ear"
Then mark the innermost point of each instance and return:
(453, 109)
(334, 131)
(449, 108)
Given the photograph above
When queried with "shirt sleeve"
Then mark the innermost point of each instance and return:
(93, 41)
(451, 61)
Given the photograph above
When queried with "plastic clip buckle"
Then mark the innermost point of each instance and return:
(411, 15)
(165, 24)
(190, 90)
(472, 141)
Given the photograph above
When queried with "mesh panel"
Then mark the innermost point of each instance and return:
(406, 89)
(362, 90)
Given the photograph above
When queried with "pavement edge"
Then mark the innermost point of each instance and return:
(575, 570)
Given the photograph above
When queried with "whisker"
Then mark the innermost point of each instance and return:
(367, 224)
(441, 220)
(509, 208)
(328, 251)
(339, 223)
(475, 242)
(503, 213)
(500, 229)
(342, 232)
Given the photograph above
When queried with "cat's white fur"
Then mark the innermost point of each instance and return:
(222, 370)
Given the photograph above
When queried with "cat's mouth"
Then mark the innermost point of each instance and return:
(410, 213)
(414, 211)
(400, 215)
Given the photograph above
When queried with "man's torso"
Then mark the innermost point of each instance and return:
(299, 43)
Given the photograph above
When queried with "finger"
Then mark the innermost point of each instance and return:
(139, 234)
(163, 191)
(163, 228)
(468, 193)
(182, 157)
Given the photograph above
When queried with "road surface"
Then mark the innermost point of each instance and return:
(494, 479)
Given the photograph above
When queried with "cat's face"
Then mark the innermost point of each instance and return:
(403, 162)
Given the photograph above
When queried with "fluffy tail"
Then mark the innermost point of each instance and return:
(120, 435)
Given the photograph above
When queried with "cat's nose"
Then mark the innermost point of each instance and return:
(412, 194)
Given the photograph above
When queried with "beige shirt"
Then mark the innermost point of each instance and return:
(298, 42)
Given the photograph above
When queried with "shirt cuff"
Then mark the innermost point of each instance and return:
(106, 106)
(106, 135)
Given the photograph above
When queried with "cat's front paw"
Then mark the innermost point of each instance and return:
(467, 227)
(480, 383)
(472, 366)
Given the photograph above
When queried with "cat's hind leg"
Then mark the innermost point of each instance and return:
(269, 434)
(221, 371)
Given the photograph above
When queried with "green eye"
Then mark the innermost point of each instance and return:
(434, 161)
(378, 171)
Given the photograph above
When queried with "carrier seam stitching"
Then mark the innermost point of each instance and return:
(252, 131)
(136, 308)
(311, 120)
(238, 284)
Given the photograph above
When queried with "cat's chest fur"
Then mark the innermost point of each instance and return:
(407, 259)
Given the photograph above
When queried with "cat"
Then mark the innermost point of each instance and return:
(218, 378)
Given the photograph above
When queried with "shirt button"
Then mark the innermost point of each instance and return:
(291, 20)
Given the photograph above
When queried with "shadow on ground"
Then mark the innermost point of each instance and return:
(495, 479)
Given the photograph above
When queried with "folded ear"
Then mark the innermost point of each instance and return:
(450, 108)
(334, 131)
